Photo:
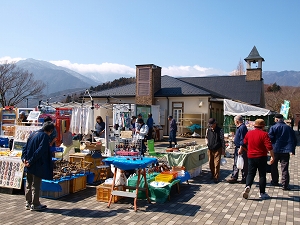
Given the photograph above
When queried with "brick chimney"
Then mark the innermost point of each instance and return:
(148, 81)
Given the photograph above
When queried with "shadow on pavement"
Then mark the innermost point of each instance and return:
(87, 213)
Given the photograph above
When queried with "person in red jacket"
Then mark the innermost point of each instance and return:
(258, 145)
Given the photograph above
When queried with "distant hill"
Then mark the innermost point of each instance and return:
(283, 78)
(55, 77)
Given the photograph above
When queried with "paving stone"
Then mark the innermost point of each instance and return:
(200, 202)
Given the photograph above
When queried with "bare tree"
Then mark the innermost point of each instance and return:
(240, 69)
(17, 84)
(275, 96)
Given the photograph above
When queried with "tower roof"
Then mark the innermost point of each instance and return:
(254, 55)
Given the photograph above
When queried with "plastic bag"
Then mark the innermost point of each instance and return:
(120, 178)
(223, 162)
(240, 162)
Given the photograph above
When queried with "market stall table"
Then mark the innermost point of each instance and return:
(130, 163)
(190, 160)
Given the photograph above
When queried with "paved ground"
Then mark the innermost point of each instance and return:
(200, 202)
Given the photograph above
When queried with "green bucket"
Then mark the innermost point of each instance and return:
(150, 144)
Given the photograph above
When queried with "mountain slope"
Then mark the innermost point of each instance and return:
(283, 78)
(56, 78)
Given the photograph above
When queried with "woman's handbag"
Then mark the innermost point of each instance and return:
(240, 162)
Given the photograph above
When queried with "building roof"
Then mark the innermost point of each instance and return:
(254, 55)
(170, 86)
(231, 87)
(127, 90)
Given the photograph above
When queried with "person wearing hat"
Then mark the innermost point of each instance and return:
(257, 144)
(241, 131)
(141, 134)
(284, 142)
(172, 130)
(23, 118)
(214, 139)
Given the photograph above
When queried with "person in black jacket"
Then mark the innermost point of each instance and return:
(216, 147)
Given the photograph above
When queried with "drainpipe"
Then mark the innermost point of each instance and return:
(168, 114)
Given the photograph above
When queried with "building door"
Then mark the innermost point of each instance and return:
(177, 114)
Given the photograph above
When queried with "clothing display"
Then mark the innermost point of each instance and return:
(81, 120)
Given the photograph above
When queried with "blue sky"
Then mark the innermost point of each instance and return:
(185, 38)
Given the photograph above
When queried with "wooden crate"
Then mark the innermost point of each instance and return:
(103, 193)
(104, 174)
(55, 190)
(78, 183)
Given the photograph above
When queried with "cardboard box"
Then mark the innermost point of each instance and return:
(103, 193)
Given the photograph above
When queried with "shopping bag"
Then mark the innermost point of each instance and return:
(240, 162)
(223, 162)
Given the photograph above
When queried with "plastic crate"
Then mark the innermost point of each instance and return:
(78, 183)
(55, 189)
(57, 149)
(4, 142)
(164, 177)
(90, 177)
(103, 193)
(173, 173)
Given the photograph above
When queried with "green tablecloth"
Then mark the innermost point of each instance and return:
(133, 180)
(159, 195)
(189, 160)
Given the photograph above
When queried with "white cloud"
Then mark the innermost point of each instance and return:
(9, 59)
(103, 68)
(114, 68)
(191, 71)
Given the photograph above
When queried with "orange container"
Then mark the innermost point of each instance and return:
(173, 173)
(178, 168)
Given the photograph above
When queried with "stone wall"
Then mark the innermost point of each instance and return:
(254, 74)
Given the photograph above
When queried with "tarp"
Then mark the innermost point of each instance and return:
(232, 108)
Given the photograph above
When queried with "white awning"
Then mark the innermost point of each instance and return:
(232, 108)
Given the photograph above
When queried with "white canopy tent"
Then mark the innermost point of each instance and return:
(232, 108)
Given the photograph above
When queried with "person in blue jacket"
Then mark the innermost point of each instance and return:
(150, 126)
(241, 131)
(284, 142)
(37, 159)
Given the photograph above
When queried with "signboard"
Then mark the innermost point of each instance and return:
(22, 132)
(33, 115)
(284, 110)
(11, 172)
